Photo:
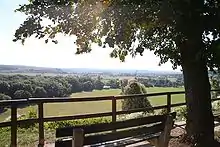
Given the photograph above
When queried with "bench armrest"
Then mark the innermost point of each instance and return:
(165, 135)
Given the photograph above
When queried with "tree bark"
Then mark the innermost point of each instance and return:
(200, 120)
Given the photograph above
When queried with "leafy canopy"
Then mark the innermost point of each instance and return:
(127, 26)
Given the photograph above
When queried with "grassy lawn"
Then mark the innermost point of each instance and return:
(30, 137)
(62, 109)
(25, 137)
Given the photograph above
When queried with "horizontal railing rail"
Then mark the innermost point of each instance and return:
(14, 104)
(6, 103)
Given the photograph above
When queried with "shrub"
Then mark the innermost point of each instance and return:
(215, 106)
(163, 111)
(22, 94)
(217, 135)
(181, 112)
(135, 102)
(88, 86)
(4, 87)
(3, 97)
(67, 123)
(40, 92)
(98, 84)
(32, 113)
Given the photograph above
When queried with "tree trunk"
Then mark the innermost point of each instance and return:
(200, 121)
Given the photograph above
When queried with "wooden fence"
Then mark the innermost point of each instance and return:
(41, 119)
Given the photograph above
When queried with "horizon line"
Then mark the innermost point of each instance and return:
(94, 68)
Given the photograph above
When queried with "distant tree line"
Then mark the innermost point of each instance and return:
(161, 82)
(23, 86)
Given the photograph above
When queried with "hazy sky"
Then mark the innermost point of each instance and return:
(36, 53)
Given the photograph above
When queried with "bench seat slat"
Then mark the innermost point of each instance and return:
(146, 127)
(133, 140)
(68, 131)
(94, 139)
(63, 143)
(119, 143)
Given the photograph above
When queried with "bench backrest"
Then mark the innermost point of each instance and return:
(128, 128)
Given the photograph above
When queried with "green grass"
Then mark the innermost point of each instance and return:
(29, 137)
(161, 100)
(63, 109)
(21, 111)
(25, 137)
(109, 92)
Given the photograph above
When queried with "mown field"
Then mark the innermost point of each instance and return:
(62, 109)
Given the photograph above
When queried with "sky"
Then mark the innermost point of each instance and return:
(62, 55)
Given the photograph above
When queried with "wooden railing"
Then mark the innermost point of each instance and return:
(41, 119)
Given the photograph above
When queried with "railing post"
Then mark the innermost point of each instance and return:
(168, 102)
(13, 125)
(41, 124)
(114, 109)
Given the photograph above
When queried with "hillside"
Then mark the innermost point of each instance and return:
(28, 69)
(34, 69)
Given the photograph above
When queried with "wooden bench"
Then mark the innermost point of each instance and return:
(120, 133)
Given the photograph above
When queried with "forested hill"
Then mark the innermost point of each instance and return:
(33, 69)
(28, 69)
